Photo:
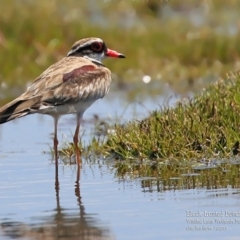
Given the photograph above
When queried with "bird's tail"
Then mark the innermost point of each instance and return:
(17, 108)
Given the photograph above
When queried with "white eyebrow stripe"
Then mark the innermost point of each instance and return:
(89, 43)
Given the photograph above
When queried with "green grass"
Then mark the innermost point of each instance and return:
(206, 126)
(35, 34)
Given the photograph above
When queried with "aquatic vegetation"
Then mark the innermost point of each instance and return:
(197, 138)
(205, 126)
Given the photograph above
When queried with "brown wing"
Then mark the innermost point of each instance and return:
(88, 82)
(70, 80)
(17, 108)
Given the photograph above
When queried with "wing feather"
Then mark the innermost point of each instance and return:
(78, 80)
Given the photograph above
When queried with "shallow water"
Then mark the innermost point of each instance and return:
(101, 206)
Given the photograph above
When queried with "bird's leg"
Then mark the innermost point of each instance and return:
(75, 139)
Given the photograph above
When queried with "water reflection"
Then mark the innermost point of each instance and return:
(127, 203)
(212, 174)
(189, 183)
(61, 223)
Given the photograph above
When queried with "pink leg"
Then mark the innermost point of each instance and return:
(75, 139)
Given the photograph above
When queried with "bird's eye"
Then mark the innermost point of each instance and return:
(97, 46)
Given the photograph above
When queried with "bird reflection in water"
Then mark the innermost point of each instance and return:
(61, 223)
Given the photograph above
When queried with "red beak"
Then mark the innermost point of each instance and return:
(114, 54)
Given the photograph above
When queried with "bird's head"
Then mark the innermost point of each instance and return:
(94, 49)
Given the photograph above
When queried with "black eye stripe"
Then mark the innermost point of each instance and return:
(86, 49)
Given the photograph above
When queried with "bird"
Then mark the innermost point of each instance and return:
(69, 86)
